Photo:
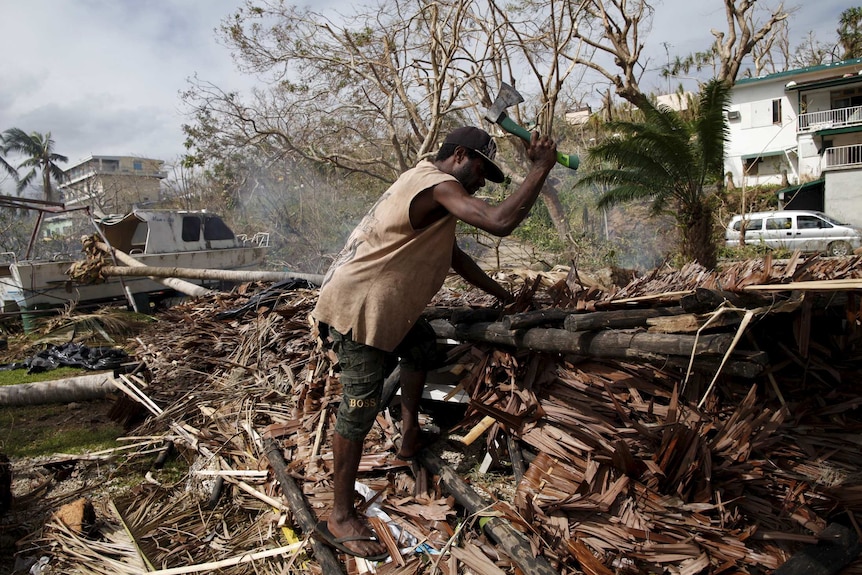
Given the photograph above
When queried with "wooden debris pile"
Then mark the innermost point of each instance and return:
(681, 424)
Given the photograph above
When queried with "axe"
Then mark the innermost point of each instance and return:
(496, 114)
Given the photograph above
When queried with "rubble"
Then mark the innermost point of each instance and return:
(689, 422)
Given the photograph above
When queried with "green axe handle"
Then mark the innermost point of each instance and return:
(568, 160)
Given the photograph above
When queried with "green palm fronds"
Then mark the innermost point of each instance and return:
(668, 158)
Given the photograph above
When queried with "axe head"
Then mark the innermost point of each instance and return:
(507, 97)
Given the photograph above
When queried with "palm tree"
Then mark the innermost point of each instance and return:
(38, 152)
(674, 160)
(4, 165)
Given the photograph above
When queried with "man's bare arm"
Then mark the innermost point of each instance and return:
(468, 269)
(503, 218)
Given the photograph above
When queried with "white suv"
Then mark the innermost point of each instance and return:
(802, 230)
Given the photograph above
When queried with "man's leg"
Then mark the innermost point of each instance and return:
(412, 385)
(344, 521)
(418, 353)
(362, 380)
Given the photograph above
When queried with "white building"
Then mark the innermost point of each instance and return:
(113, 184)
(801, 129)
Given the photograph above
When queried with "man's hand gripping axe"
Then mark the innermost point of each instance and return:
(496, 114)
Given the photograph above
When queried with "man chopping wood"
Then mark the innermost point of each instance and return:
(372, 297)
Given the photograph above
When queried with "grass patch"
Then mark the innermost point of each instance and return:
(40, 430)
(16, 376)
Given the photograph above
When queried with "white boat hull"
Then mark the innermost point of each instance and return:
(39, 284)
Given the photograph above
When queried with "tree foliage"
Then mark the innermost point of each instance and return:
(850, 33)
(39, 157)
(4, 164)
(360, 97)
(674, 162)
(749, 25)
(370, 93)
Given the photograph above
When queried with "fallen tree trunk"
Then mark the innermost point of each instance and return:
(609, 343)
(84, 388)
(302, 514)
(208, 274)
(617, 319)
(704, 300)
(501, 531)
(181, 286)
(536, 318)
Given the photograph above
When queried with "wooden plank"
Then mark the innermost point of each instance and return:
(821, 285)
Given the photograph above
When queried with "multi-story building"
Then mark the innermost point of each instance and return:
(802, 130)
(113, 184)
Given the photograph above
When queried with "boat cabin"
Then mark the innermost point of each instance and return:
(160, 232)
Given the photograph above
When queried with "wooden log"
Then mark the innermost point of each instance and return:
(303, 516)
(181, 286)
(516, 457)
(67, 390)
(511, 541)
(210, 274)
(494, 332)
(624, 343)
(743, 367)
(704, 300)
(536, 318)
(838, 547)
(691, 323)
(474, 315)
(611, 343)
(617, 319)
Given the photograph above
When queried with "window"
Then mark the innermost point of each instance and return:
(191, 229)
(776, 112)
(138, 166)
(846, 98)
(750, 225)
(749, 166)
(779, 223)
(139, 237)
(216, 229)
(811, 223)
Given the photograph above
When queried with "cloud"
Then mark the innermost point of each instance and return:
(109, 79)
(104, 76)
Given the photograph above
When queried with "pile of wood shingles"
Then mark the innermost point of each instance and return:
(690, 422)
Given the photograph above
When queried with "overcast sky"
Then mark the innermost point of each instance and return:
(104, 76)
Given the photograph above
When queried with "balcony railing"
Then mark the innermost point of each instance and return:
(844, 156)
(839, 118)
(77, 176)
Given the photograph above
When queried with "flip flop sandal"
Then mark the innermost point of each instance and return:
(324, 535)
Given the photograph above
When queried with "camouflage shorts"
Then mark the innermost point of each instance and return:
(362, 374)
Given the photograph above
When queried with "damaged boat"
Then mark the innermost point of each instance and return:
(156, 238)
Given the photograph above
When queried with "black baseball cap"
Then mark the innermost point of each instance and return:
(480, 142)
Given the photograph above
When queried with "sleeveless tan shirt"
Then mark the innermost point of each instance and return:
(388, 271)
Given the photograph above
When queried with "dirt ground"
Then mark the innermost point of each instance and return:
(42, 485)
